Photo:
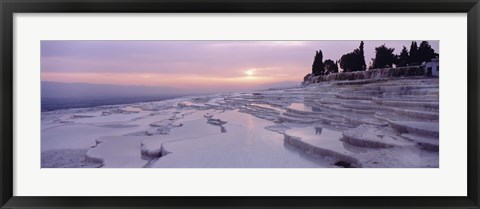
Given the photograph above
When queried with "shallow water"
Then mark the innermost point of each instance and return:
(245, 144)
(268, 107)
(303, 107)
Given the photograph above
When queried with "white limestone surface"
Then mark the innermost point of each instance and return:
(374, 123)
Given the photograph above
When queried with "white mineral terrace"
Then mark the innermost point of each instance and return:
(376, 123)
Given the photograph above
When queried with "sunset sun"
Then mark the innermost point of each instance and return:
(249, 72)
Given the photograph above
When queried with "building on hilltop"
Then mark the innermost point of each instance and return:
(431, 68)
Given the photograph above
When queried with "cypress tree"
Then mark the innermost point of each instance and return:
(402, 59)
(362, 57)
(413, 56)
(317, 67)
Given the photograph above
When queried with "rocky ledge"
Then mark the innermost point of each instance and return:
(369, 74)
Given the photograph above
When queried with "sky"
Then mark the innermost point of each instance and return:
(201, 65)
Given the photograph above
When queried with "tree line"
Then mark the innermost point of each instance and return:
(384, 58)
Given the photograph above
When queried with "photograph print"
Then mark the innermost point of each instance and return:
(240, 104)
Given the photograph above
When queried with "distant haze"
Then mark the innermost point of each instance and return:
(85, 90)
(195, 66)
(58, 95)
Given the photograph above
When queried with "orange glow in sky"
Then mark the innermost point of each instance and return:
(158, 79)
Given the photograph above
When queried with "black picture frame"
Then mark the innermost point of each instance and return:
(9, 7)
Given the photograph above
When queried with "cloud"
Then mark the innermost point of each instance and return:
(240, 44)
